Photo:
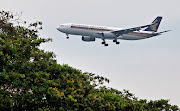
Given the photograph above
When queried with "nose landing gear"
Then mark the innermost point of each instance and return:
(67, 36)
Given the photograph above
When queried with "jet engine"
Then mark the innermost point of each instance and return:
(88, 39)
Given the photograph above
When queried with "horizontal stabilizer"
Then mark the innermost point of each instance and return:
(164, 31)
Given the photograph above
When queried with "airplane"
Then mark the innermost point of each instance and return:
(89, 33)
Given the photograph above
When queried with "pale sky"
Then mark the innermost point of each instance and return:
(149, 68)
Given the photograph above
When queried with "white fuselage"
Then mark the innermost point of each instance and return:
(92, 31)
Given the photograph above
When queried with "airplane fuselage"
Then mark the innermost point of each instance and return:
(92, 31)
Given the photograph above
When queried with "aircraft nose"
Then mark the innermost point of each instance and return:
(59, 28)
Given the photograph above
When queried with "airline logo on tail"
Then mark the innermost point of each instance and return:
(155, 25)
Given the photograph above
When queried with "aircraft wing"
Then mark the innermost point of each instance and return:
(125, 31)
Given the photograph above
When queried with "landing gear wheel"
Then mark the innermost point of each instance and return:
(105, 44)
(67, 36)
(117, 42)
(114, 41)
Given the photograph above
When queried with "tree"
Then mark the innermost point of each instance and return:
(31, 79)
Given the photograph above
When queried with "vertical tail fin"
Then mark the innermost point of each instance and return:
(155, 25)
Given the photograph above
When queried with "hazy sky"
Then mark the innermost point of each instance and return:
(149, 68)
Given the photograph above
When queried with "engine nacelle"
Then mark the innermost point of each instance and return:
(88, 39)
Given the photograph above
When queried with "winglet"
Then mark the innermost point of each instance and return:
(155, 25)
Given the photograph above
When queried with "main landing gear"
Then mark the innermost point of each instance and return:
(116, 41)
(104, 42)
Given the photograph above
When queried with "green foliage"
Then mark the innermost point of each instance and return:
(31, 79)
